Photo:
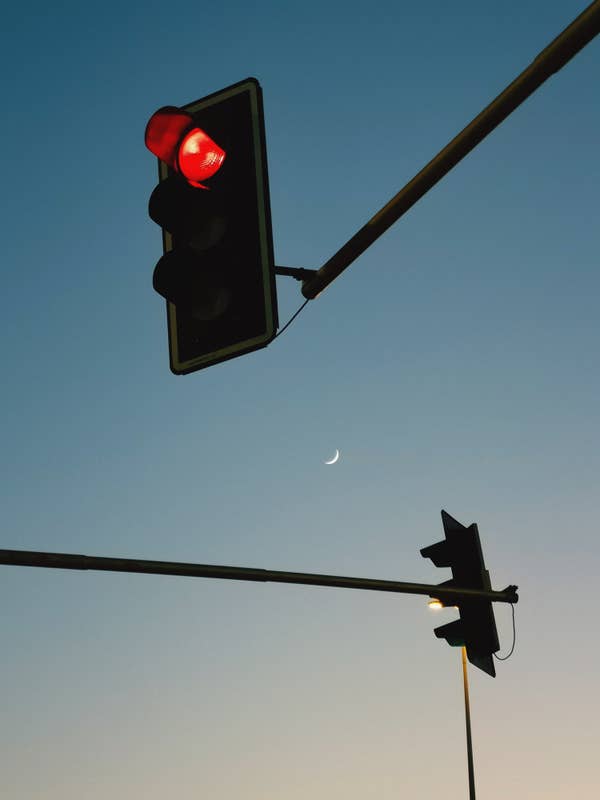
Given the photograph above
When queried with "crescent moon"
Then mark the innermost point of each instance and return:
(335, 458)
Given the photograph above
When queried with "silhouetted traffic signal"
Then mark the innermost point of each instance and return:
(476, 628)
(212, 203)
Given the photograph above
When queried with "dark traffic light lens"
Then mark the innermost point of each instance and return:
(196, 218)
(183, 279)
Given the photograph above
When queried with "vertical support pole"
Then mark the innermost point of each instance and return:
(468, 725)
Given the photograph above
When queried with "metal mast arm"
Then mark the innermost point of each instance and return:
(579, 33)
(29, 558)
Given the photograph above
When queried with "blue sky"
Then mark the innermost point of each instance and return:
(454, 365)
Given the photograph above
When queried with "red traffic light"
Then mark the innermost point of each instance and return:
(172, 136)
(217, 270)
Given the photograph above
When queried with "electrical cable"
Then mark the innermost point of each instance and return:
(504, 658)
(289, 322)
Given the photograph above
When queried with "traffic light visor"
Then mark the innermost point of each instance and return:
(172, 137)
(164, 132)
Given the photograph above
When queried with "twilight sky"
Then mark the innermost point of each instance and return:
(454, 365)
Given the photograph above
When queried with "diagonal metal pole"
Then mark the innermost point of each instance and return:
(30, 558)
(575, 37)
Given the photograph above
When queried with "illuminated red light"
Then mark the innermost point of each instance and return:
(199, 157)
(172, 137)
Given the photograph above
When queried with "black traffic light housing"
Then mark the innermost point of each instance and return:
(476, 628)
(217, 271)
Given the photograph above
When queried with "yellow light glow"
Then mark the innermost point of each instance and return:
(435, 604)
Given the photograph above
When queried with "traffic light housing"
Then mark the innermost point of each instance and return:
(476, 628)
(217, 271)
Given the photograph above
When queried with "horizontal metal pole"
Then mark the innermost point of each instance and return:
(29, 558)
(579, 33)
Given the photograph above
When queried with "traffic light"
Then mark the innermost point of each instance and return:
(212, 202)
(476, 628)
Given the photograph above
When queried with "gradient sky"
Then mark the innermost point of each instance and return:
(455, 366)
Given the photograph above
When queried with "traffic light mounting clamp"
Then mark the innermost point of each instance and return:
(299, 273)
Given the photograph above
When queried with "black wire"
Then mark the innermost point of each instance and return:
(289, 322)
(503, 658)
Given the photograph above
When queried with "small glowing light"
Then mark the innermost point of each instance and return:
(435, 604)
